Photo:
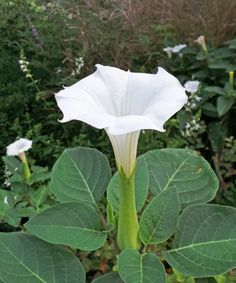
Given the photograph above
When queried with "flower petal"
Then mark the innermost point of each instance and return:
(122, 102)
(19, 146)
(125, 150)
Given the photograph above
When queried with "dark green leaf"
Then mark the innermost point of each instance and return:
(224, 104)
(39, 196)
(215, 90)
(220, 64)
(136, 268)
(25, 258)
(75, 224)
(205, 243)
(112, 277)
(159, 219)
(39, 174)
(217, 133)
(80, 174)
(184, 170)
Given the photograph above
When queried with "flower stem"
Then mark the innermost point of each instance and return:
(26, 170)
(128, 221)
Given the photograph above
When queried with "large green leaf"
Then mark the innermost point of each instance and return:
(136, 268)
(141, 186)
(27, 259)
(205, 243)
(80, 174)
(159, 219)
(75, 224)
(184, 170)
(112, 277)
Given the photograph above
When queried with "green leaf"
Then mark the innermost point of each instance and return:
(224, 104)
(141, 186)
(80, 174)
(221, 64)
(112, 277)
(136, 268)
(205, 243)
(215, 90)
(39, 174)
(75, 224)
(13, 164)
(184, 170)
(39, 196)
(8, 213)
(210, 110)
(159, 219)
(25, 258)
(217, 132)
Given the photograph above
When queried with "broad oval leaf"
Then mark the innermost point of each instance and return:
(141, 186)
(205, 243)
(112, 277)
(75, 224)
(159, 219)
(25, 258)
(136, 268)
(184, 170)
(80, 174)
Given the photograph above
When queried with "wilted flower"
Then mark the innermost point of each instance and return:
(178, 48)
(192, 86)
(123, 103)
(201, 41)
(18, 147)
(168, 50)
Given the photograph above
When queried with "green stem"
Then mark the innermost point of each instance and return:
(26, 170)
(128, 221)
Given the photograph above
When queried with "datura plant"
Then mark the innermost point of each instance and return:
(156, 220)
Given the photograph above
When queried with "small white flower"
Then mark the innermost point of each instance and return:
(123, 103)
(178, 48)
(192, 86)
(18, 147)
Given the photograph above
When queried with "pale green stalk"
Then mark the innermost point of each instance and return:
(26, 170)
(128, 221)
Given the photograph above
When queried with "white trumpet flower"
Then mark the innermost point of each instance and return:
(123, 103)
(18, 147)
